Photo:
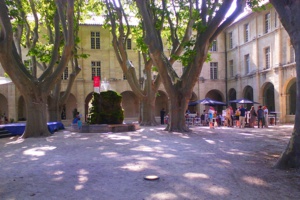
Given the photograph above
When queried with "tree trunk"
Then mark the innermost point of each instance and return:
(290, 158)
(54, 110)
(148, 111)
(36, 123)
(178, 105)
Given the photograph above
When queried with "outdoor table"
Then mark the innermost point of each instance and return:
(275, 114)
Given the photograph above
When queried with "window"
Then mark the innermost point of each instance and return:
(128, 43)
(267, 23)
(96, 69)
(267, 56)
(230, 41)
(95, 40)
(213, 70)
(246, 32)
(231, 68)
(247, 63)
(214, 46)
(65, 75)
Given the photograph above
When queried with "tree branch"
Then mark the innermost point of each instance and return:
(55, 51)
(68, 46)
(240, 5)
(187, 35)
(283, 11)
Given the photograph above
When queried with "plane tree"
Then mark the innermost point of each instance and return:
(57, 98)
(121, 29)
(34, 87)
(289, 14)
(123, 25)
(192, 25)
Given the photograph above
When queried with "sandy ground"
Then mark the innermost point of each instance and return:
(224, 163)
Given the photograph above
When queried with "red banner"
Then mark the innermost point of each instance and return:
(96, 81)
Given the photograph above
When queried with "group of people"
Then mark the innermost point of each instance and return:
(212, 118)
(262, 115)
(241, 114)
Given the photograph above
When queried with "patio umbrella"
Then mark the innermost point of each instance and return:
(243, 101)
(211, 102)
(193, 103)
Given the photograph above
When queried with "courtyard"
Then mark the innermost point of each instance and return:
(222, 163)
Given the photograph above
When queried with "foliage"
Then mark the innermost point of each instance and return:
(94, 115)
(189, 28)
(43, 31)
(258, 5)
(106, 108)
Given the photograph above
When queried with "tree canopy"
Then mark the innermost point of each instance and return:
(21, 23)
(190, 27)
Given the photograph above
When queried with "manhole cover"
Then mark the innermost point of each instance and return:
(151, 177)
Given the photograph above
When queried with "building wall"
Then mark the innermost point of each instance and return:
(280, 75)
(282, 67)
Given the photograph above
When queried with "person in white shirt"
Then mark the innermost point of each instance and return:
(266, 116)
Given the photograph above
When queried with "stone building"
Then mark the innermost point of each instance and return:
(253, 58)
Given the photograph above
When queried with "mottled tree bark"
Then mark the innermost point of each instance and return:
(289, 14)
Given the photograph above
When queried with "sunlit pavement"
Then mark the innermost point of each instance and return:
(221, 163)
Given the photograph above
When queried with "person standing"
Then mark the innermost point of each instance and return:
(79, 124)
(76, 118)
(266, 116)
(204, 118)
(242, 116)
(260, 117)
(252, 117)
(211, 112)
(228, 116)
(237, 117)
(162, 116)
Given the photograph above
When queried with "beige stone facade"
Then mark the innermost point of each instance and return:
(253, 59)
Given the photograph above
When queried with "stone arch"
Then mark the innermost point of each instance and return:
(268, 95)
(215, 95)
(21, 109)
(69, 107)
(291, 97)
(218, 96)
(248, 94)
(232, 96)
(3, 106)
(161, 102)
(130, 104)
(193, 109)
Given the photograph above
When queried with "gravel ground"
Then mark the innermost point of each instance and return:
(222, 163)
